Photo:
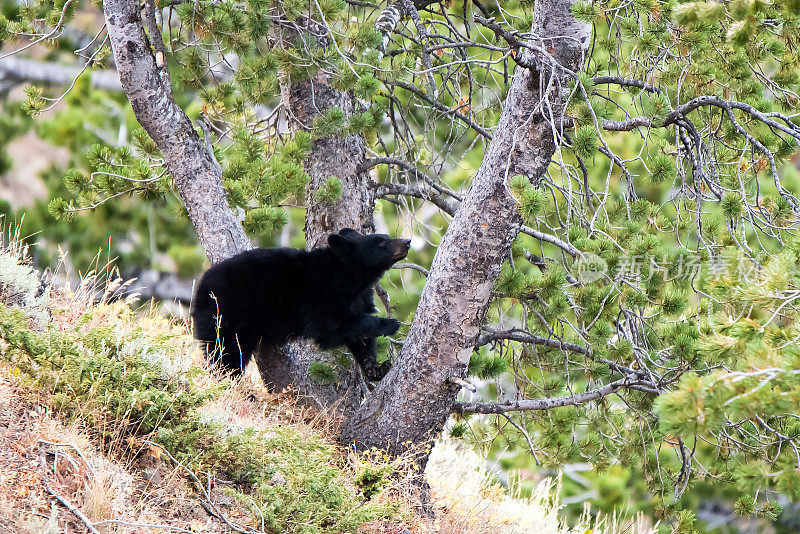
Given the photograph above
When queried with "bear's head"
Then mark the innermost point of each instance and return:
(373, 252)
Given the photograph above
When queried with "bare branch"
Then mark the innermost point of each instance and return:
(413, 14)
(790, 128)
(20, 70)
(542, 404)
(414, 266)
(525, 337)
(383, 190)
(627, 125)
(71, 507)
(625, 82)
(566, 247)
(508, 37)
(438, 105)
(367, 164)
(462, 383)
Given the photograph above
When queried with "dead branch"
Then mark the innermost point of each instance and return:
(15, 71)
(71, 507)
(543, 404)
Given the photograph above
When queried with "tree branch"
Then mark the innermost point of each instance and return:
(367, 164)
(150, 284)
(438, 105)
(790, 128)
(525, 337)
(197, 180)
(626, 125)
(542, 404)
(566, 247)
(16, 70)
(625, 82)
(383, 190)
(508, 37)
(72, 508)
(411, 11)
(413, 266)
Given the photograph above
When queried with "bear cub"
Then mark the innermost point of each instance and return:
(272, 296)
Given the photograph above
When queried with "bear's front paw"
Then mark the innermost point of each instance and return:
(389, 327)
(374, 372)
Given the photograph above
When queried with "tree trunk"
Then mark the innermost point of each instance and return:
(412, 403)
(337, 156)
(332, 156)
(198, 181)
(197, 175)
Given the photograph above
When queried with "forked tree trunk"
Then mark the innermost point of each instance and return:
(413, 401)
(337, 156)
(197, 177)
(199, 184)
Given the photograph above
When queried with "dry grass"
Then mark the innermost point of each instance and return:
(38, 451)
(127, 485)
(122, 485)
(470, 502)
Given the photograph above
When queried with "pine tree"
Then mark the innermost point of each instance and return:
(640, 318)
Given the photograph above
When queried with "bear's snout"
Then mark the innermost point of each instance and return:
(401, 247)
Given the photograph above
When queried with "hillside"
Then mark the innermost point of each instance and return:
(110, 423)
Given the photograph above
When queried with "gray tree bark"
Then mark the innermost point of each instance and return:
(198, 182)
(337, 156)
(412, 403)
(196, 174)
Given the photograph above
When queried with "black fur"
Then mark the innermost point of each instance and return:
(271, 296)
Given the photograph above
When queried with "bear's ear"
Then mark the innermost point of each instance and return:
(345, 232)
(340, 244)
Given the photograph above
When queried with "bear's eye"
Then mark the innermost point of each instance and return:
(381, 242)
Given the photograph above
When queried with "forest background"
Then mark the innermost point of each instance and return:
(655, 268)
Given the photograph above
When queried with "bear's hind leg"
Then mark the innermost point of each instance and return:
(234, 353)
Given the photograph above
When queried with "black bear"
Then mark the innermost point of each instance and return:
(271, 296)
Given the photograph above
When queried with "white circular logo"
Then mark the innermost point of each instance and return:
(590, 267)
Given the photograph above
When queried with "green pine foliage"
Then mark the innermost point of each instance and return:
(265, 221)
(512, 282)
(34, 103)
(662, 169)
(330, 191)
(673, 265)
(330, 123)
(322, 372)
(532, 202)
(486, 366)
(586, 140)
